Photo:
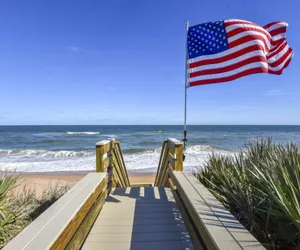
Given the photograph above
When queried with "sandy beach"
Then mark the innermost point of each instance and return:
(43, 180)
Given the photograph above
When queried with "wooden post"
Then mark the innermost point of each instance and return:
(102, 147)
(179, 157)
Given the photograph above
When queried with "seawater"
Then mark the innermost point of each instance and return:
(72, 148)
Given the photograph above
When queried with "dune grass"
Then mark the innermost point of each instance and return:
(260, 185)
(17, 211)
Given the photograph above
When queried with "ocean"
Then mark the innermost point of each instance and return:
(72, 148)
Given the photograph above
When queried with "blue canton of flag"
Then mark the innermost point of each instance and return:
(206, 39)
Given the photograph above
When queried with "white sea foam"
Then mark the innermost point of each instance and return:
(110, 136)
(42, 160)
(82, 133)
(43, 153)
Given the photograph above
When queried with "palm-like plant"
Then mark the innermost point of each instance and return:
(260, 185)
(12, 218)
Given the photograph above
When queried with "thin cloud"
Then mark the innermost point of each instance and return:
(276, 92)
(110, 88)
(76, 49)
(239, 108)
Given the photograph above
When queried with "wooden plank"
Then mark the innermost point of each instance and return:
(138, 221)
(105, 145)
(85, 203)
(161, 158)
(212, 230)
(121, 163)
(171, 184)
(141, 194)
(122, 181)
(244, 238)
(132, 221)
(172, 143)
(140, 237)
(179, 157)
(107, 161)
(173, 245)
(164, 174)
(196, 239)
(163, 168)
(171, 160)
(83, 230)
(102, 148)
(64, 215)
(118, 216)
(138, 209)
(138, 229)
(144, 184)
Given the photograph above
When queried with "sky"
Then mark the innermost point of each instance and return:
(122, 62)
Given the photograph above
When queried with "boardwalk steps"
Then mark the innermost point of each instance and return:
(103, 211)
(134, 218)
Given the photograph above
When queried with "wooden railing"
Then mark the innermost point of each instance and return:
(66, 223)
(109, 157)
(209, 223)
(171, 158)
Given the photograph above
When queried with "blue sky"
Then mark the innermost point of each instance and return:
(122, 62)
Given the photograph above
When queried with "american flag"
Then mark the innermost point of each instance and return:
(222, 51)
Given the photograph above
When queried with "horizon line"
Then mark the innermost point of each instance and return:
(10, 125)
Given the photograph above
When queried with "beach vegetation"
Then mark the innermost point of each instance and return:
(18, 210)
(260, 186)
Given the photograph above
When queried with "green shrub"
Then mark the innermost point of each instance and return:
(12, 218)
(260, 185)
(16, 212)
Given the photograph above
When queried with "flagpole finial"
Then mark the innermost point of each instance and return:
(187, 24)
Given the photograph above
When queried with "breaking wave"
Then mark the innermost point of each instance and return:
(82, 133)
(44, 153)
(136, 160)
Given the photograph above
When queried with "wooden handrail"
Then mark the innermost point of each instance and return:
(198, 206)
(66, 223)
(171, 156)
(109, 157)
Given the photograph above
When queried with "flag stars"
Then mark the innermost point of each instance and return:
(207, 38)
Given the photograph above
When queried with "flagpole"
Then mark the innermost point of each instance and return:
(185, 85)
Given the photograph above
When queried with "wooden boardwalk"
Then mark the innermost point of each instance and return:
(177, 213)
(139, 218)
